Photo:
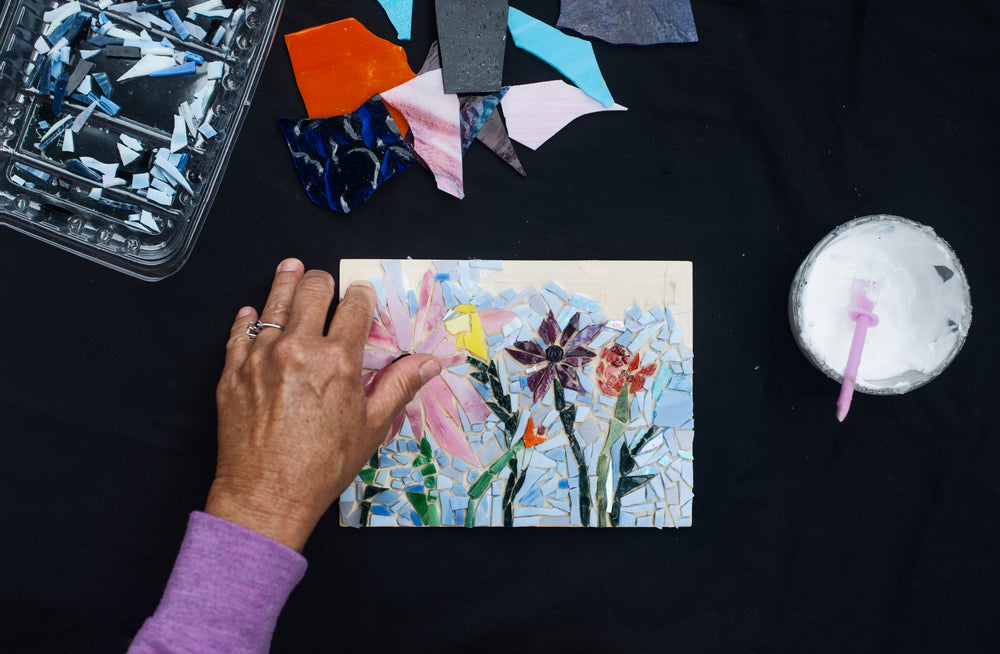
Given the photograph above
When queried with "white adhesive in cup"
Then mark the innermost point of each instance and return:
(924, 306)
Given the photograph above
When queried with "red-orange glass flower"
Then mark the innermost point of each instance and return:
(531, 438)
(618, 367)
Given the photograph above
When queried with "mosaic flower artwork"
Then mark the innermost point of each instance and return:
(566, 396)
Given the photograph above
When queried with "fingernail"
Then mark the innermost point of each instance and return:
(362, 284)
(289, 265)
(244, 312)
(429, 370)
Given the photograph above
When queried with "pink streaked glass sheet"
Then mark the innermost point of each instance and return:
(434, 120)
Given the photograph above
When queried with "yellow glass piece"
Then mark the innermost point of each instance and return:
(458, 325)
(468, 329)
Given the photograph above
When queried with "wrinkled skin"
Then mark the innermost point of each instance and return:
(295, 426)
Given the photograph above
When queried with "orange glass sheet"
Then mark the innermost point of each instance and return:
(338, 66)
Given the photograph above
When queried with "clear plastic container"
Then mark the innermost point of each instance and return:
(44, 190)
(942, 306)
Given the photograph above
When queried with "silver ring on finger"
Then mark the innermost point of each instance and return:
(254, 328)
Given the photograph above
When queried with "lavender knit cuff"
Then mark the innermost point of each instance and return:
(227, 588)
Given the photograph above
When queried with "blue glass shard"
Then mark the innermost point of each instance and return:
(105, 84)
(556, 289)
(571, 56)
(342, 160)
(59, 93)
(680, 383)
(70, 28)
(400, 13)
(475, 111)
(533, 498)
(177, 23)
(673, 409)
(188, 68)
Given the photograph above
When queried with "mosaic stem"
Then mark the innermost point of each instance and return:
(425, 502)
(626, 465)
(567, 415)
(582, 474)
(616, 426)
(487, 374)
(508, 494)
(366, 504)
(485, 480)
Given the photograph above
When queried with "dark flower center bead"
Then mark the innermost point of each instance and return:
(554, 353)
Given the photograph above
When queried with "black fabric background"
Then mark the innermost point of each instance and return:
(738, 153)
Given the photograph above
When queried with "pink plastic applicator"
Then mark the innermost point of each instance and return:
(861, 311)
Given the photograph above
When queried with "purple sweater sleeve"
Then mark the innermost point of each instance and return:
(227, 588)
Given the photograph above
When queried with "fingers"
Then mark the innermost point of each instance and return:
(312, 299)
(279, 300)
(238, 345)
(353, 317)
(396, 386)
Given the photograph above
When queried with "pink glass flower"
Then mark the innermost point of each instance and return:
(434, 410)
(564, 353)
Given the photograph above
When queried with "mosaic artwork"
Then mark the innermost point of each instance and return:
(566, 396)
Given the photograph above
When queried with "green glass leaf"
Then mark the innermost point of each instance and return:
(626, 462)
(628, 484)
(420, 460)
(477, 363)
(641, 443)
(501, 461)
(428, 470)
(482, 483)
(558, 395)
(367, 475)
(419, 503)
(568, 417)
(621, 407)
(425, 448)
(479, 377)
(499, 411)
(372, 491)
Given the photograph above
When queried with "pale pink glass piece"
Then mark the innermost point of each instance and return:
(445, 430)
(434, 121)
(402, 323)
(377, 359)
(535, 112)
(468, 397)
(494, 319)
(379, 336)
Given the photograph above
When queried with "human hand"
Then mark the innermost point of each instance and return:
(294, 423)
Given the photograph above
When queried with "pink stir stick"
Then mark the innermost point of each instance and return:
(862, 313)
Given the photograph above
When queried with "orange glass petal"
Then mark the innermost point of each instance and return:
(530, 438)
(338, 66)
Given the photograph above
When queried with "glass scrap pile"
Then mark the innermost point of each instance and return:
(339, 66)
(86, 60)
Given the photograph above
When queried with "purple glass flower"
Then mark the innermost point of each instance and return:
(563, 354)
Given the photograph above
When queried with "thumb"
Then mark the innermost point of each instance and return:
(396, 386)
